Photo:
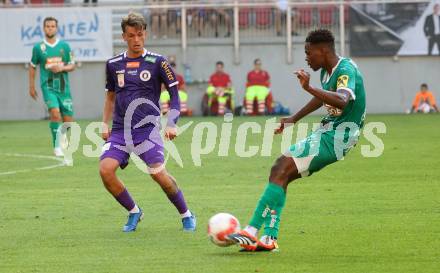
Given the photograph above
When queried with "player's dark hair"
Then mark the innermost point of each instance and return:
(48, 19)
(257, 60)
(135, 20)
(321, 36)
(424, 85)
(220, 63)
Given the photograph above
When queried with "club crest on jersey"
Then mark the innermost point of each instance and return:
(145, 75)
(43, 47)
(121, 81)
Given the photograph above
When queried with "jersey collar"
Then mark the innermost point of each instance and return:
(327, 76)
(144, 53)
(51, 45)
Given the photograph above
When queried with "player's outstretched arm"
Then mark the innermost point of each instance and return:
(334, 99)
(313, 105)
(107, 113)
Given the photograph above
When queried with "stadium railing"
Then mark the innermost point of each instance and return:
(183, 23)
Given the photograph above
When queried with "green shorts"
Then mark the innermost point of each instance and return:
(62, 101)
(221, 99)
(165, 96)
(257, 91)
(321, 148)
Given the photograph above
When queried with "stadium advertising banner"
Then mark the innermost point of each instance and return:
(87, 31)
(395, 29)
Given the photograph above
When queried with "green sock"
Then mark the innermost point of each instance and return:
(272, 221)
(53, 125)
(273, 196)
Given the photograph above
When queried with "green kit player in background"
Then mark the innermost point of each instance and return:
(55, 60)
(343, 95)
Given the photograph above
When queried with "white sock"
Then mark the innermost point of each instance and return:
(186, 214)
(135, 209)
(268, 240)
(251, 230)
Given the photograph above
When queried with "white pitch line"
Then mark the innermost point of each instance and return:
(34, 169)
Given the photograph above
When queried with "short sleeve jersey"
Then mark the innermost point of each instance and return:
(345, 76)
(426, 97)
(47, 55)
(137, 84)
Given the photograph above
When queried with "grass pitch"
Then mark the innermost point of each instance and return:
(359, 215)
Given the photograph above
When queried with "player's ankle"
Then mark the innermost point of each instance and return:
(251, 230)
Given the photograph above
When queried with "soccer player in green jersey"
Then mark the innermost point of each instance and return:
(343, 95)
(54, 58)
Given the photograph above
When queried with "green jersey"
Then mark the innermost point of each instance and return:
(345, 77)
(47, 55)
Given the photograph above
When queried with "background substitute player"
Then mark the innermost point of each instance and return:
(133, 86)
(344, 97)
(55, 60)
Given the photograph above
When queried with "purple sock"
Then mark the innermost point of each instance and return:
(179, 202)
(125, 200)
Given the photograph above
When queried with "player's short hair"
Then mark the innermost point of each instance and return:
(135, 20)
(424, 85)
(219, 63)
(257, 60)
(321, 36)
(48, 19)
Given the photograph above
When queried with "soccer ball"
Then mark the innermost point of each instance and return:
(221, 225)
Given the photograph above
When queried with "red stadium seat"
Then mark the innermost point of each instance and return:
(263, 17)
(305, 16)
(243, 17)
(326, 15)
(346, 13)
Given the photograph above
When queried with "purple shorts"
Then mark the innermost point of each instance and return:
(149, 148)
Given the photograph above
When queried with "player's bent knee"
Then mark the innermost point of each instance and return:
(283, 171)
(159, 177)
(106, 169)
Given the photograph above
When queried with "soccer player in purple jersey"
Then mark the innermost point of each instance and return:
(133, 88)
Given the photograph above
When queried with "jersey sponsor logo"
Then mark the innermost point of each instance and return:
(150, 59)
(166, 68)
(145, 75)
(133, 64)
(342, 81)
(132, 72)
(121, 81)
(120, 71)
(333, 111)
(52, 62)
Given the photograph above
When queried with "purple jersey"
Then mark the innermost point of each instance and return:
(141, 78)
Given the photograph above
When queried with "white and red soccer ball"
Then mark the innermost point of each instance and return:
(220, 226)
